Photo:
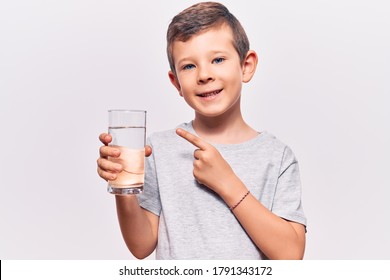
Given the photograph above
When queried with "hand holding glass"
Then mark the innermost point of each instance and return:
(128, 131)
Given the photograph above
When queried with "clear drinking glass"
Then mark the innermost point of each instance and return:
(128, 131)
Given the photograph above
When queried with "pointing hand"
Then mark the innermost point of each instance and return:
(210, 168)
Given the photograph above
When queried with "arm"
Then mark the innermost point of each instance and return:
(138, 226)
(274, 236)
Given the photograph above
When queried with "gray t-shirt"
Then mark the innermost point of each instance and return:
(195, 223)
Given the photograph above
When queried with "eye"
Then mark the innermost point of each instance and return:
(188, 66)
(218, 60)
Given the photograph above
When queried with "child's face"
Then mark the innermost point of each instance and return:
(209, 74)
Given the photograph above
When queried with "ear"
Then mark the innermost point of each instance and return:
(249, 66)
(175, 82)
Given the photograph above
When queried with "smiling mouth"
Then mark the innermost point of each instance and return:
(210, 93)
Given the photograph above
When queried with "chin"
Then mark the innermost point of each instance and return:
(211, 113)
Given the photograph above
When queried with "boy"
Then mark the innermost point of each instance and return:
(215, 188)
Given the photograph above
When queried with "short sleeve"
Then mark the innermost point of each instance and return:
(150, 198)
(287, 202)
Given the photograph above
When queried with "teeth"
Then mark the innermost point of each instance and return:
(210, 93)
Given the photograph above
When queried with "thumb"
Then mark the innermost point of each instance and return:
(148, 150)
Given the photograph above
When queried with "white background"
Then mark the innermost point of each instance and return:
(322, 87)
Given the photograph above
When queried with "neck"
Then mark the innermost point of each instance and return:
(228, 128)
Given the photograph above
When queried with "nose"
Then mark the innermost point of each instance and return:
(205, 75)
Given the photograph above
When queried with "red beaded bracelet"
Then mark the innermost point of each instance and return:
(233, 207)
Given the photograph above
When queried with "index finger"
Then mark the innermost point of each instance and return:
(195, 140)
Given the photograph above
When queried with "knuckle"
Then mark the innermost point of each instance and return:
(113, 152)
(197, 164)
(105, 175)
(105, 165)
(207, 157)
(101, 174)
(102, 150)
(99, 162)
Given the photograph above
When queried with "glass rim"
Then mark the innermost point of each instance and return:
(127, 110)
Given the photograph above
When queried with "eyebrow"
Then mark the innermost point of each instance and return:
(183, 59)
(218, 52)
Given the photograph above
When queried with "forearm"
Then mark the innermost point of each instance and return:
(274, 236)
(137, 230)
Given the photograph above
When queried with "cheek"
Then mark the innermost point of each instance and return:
(183, 81)
(232, 74)
(189, 101)
(234, 79)
(186, 85)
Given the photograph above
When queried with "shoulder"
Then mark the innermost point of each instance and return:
(282, 153)
(271, 143)
(275, 148)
